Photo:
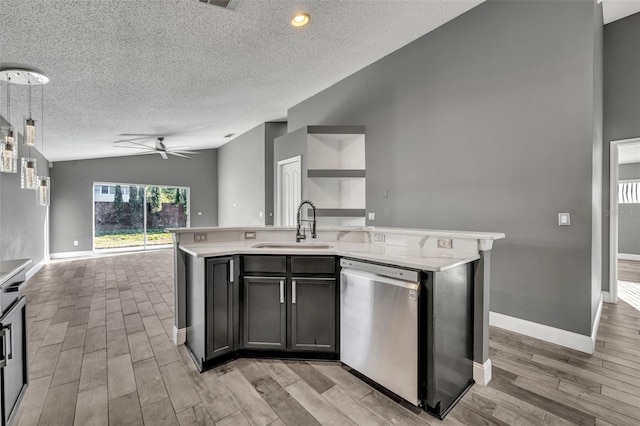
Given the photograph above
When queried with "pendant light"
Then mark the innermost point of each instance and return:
(28, 169)
(43, 189)
(8, 146)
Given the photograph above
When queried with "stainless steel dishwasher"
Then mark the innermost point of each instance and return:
(379, 325)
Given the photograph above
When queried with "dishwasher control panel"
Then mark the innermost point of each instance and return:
(384, 270)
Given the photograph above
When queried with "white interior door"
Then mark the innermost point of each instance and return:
(288, 190)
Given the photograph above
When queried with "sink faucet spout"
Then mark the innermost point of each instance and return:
(300, 233)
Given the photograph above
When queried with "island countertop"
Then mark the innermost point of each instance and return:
(410, 248)
(428, 260)
(9, 268)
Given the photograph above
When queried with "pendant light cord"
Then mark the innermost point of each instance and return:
(29, 146)
(42, 119)
(9, 100)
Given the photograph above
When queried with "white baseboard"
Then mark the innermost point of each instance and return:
(607, 297)
(596, 323)
(627, 256)
(179, 336)
(482, 372)
(565, 338)
(34, 269)
(70, 254)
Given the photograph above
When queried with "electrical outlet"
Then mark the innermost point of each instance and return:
(378, 238)
(249, 235)
(564, 219)
(200, 237)
(75, 243)
(372, 216)
(445, 243)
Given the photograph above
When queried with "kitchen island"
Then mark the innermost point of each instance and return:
(254, 291)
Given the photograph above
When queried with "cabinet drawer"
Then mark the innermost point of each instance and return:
(265, 264)
(313, 265)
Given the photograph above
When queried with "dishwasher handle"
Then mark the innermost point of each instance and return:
(411, 285)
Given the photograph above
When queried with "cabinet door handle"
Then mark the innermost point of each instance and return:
(294, 291)
(10, 338)
(281, 291)
(3, 336)
(231, 271)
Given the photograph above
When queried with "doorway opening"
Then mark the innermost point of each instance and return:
(624, 220)
(134, 217)
(288, 190)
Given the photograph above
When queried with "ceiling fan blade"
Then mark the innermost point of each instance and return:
(132, 140)
(137, 147)
(182, 151)
(178, 155)
(163, 155)
(180, 148)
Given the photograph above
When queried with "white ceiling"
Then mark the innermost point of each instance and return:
(629, 153)
(612, 10)
(185, 67)
(197, 71)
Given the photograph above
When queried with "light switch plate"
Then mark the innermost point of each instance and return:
(564, 219)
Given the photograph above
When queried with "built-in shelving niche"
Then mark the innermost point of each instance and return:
(336, 175)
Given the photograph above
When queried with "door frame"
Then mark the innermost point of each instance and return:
(144, 231)
(298, 159)
(613, 215)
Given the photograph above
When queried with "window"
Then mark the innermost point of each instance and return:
(105, 189)
(629, 192)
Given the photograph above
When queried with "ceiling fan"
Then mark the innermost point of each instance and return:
(157, 148)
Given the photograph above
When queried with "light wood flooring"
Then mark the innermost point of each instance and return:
(100, 353)
(629, 270)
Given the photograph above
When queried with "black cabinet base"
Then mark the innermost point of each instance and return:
(252, 353)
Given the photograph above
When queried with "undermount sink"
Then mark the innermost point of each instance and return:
(309, 246)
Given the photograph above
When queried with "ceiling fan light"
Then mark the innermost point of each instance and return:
(300, 19)
(29, 132)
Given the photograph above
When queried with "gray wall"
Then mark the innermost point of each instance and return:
(272, 132)
(72, 190)
(245, 176)
(629, 171)
(629, 219)
(621, 103)
(487, 124)
(23, 230)
(596, 164)
(241, 180)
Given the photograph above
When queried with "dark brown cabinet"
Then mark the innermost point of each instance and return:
(289, 303)
(265, 313)
(212, 309)
(313, 314)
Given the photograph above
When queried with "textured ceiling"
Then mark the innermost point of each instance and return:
(612, 10)
(191, 69)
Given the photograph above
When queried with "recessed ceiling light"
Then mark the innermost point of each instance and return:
(300, 19)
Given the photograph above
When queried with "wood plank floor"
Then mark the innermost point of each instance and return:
(100, 353)
(629, 270)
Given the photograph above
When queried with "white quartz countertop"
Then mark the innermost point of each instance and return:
(9, 268)
(424, 259)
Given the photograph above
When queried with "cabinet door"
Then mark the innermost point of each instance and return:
(14, 358)
(220, 307)
(265, 313)
(313, 314)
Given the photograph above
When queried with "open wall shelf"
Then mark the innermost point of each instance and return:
(336, 173)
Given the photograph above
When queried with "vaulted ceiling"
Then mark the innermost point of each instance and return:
(188, 70)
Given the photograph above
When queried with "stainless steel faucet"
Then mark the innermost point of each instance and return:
(303, 235)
